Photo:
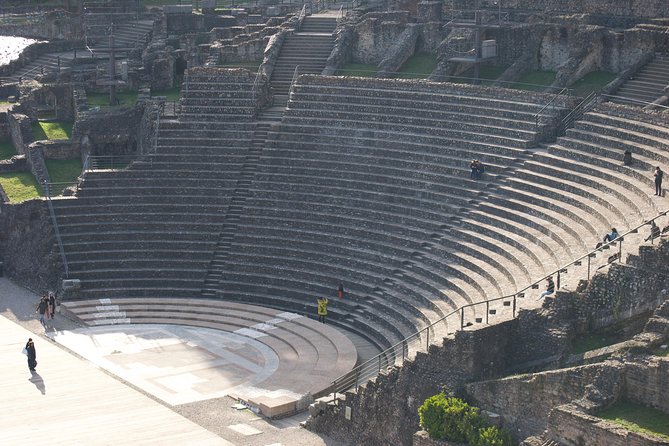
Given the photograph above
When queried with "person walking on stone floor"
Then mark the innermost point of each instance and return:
(42, 308)
(658, 181)
(32, 354)
(550, 287)
(52, 304)
(322, 309)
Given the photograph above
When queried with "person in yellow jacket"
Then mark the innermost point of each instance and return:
(322, 309)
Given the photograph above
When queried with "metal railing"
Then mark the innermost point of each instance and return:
(540, 113)
(292, 82)
(585, 106)
(300, 17)
(47, 191)
(256, 84)
(420, 341)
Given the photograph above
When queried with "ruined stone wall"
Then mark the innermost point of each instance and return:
(48, 25)
(375, 35)
(647, 383)
(27, 245)
(397, 394)
(619, 8)
(112, 132)
(570, 426)
(525, 401)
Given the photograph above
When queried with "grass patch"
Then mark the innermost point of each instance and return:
(52, 130)
(591, 342)
(7, 149)
(535, 80)
(593, 81)
(357, 69)
(124, 98)
(20, 186)
(661, 352)
(488, 73)
(418, 66)
(63, 171)
(171, 94)
(637, 418)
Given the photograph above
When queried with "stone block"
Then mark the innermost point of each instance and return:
(71, 284)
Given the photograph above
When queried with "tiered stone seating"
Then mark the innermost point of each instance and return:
(311, 355)
(565, 198)
(151, 229)
(363, 185)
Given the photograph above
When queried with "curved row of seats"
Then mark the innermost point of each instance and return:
(352, 190)
(151, 229)
(310, 355)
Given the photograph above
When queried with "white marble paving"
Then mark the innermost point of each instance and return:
(176, 364)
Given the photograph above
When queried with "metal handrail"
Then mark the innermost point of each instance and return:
(340, 14)
(59, 240)
(545, 107)
(292, 82)
(301, 16)
(586, 105)
(364, 370)
(256, 82)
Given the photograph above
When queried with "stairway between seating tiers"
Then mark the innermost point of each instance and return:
(647, 85)
(151, 230)
(306, 49)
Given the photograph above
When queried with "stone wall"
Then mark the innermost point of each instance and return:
(113, 132)
(569, 426)
(375, 35)
(647, 382)
(525, 401)
(20, 131)
(17, 163)
(397, 393)
(49, 25)
(620, 8)
(56, 150)
(27, 245)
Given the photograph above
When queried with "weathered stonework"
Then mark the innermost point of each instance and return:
(27, 245)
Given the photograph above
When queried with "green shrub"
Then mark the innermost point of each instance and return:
(493, 436)
(452, 419)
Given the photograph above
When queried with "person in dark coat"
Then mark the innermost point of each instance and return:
(32, 355)
(658, 181)
(627, 158)
(42, 309)
(52, 304)
(340, 291)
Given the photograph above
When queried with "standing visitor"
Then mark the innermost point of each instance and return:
(340, 291)
(42, 308)
(52, 303)
(322, 309)
(32, 355)
(658, 181)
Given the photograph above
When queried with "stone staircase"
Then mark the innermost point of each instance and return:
(235, 209)
(151, 229)
(647, 85)
(308, 49)
(131, 35)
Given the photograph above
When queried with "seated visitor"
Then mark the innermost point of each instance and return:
(550, 287)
